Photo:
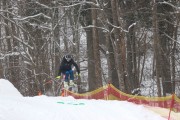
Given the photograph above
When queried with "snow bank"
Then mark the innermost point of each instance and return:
(66, 108)
(8, 89)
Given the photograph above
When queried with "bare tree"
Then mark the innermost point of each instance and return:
(156, 47)
(96, 50)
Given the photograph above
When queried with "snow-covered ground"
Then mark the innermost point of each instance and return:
(13, 106)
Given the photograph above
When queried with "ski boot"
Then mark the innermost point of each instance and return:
(73, 86)
(66, 86)
(71, 83)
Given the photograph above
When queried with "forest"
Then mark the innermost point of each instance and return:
(129, 43)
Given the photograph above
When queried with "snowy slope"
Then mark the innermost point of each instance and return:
(15, 107)
(8, 89)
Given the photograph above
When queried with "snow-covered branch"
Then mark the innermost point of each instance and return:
(24, 43)
(37, 15)
(170, 4)
(171, 38)
(84, 2)
(2, 56)
(43, 5)
(119, 27)
(91, 26)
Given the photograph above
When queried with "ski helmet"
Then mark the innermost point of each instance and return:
(68, 57)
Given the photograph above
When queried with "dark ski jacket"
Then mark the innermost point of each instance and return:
(66, 66)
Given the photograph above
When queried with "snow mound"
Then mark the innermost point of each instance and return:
(8, 89)
(66, 108)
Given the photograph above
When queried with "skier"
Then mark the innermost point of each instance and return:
(66, 69)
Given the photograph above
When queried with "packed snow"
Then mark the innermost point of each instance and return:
(13, 106)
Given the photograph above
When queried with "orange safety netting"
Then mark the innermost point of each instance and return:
(109, 92)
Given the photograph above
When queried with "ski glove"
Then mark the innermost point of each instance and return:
(78, 75)
(58, 77)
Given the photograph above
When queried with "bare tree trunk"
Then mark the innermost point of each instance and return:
(97, 62)
(156, 46)
(165, 29)
(74, 21)
(118, 45)
(1, 49)
(132, 72)
(122, 49)
(85, 21)
(13, 59)
(112, 70)
(173, 56)
(65, 39)
(91, 67)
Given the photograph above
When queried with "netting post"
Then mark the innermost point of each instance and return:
(107, 91)
(39, 93)
(62, 93)
(172, 105)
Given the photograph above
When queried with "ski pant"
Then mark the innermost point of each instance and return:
(68, 74)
